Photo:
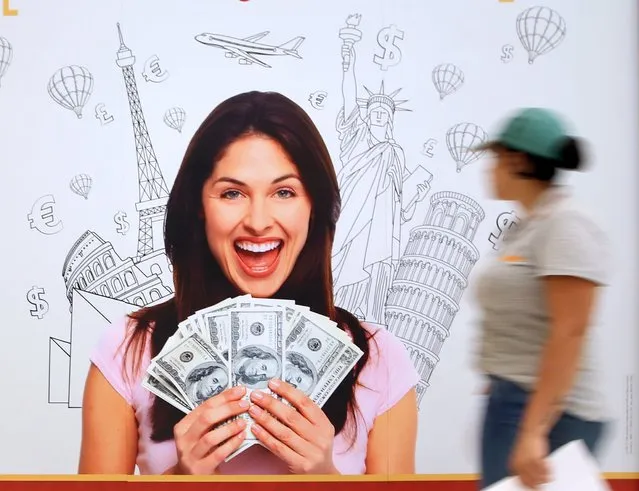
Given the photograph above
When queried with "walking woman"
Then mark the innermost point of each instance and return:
(537, 300)
(256, 173)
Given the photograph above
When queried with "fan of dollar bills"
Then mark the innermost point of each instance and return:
(248, 341)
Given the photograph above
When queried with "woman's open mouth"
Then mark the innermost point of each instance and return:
(258, 258)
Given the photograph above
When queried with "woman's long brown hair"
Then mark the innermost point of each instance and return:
(198, 280)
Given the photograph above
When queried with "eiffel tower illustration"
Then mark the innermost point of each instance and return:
(94, 272)
(152, 189)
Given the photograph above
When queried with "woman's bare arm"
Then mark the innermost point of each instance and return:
(570, 301)
(393, 439)
(109, 429)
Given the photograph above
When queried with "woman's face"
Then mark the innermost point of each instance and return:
(502, 178)
(256, 214)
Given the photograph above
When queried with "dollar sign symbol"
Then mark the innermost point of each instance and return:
(392, 54)
(505, 221)
(40, 306)
(507, 51)
(122, 225)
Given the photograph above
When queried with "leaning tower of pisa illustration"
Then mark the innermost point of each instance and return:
(431, 278)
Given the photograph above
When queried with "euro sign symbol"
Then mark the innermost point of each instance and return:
(505, 221)
(122, 225)
(42, 216)
(40, 306)
(153, 71)
(317, 99)
(392, 54)
(507, 51)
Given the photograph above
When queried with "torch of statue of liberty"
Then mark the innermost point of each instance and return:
(366, 248)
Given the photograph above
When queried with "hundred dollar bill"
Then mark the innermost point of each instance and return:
(226, 304)
(188, 327)
(196, 323)
(257, 350)
(170, 387)
(291, 311)
(173, 340)
(218, 330)
(314, 354)
(327, 385)
(327, 323)
(158, 388)
(215, 321)
(195, 368)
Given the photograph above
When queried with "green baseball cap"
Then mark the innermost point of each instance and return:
(536, 131)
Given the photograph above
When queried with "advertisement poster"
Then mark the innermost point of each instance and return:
(99, 101)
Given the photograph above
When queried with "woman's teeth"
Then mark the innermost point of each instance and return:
(262, 247)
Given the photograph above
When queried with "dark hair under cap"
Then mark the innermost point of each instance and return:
(545, 168)
(540, 134)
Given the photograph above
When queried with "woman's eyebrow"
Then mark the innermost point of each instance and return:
(232, 180)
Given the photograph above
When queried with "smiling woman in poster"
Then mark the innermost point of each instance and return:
(537, 300)
(256, 170)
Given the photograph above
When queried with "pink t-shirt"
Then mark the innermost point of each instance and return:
(387, 376)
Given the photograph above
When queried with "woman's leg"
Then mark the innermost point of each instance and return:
(504, 409)
(570, 428)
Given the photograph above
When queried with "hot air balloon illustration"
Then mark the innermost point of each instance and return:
(6, 55)
(71, 86)
(174, 118)
(447, 79)
(81, 185)
(460, 140)
(540, 30)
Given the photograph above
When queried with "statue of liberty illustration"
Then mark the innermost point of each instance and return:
(373, 181)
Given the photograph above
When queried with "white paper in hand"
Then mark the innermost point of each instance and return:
(572, 467)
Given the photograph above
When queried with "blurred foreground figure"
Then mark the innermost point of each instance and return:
(536, 302)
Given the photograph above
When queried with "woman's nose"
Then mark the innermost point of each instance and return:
(258, 217)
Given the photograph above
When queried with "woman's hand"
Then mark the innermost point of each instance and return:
(528, 459)
(303, 438)
(201, 444)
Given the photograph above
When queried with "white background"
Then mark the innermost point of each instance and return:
(590, 77)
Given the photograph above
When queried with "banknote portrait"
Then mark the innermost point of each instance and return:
(300, 372)
(255, 365)
(206, 380)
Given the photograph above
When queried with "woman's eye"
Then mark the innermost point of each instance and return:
(231, 194)
(285, 193)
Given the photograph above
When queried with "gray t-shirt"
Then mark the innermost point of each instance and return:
(557, 238)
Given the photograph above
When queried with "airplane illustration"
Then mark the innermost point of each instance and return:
(245, 48)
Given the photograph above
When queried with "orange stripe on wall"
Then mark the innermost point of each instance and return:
(616, 484)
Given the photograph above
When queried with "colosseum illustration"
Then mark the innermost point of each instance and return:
(92, 265)
(431, 278)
